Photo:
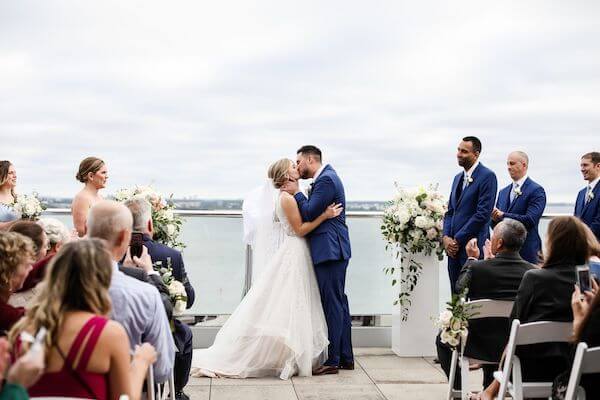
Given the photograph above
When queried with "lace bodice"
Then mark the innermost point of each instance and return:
(280, 214)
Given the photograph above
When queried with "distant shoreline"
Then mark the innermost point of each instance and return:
(236, 204)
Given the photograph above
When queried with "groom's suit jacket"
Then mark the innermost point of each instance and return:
(526, 208)
(330, 240)
(469, 212)
(589, 213)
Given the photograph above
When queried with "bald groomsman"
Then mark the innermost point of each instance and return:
(469, 207)
(587, 206)
(523, 200)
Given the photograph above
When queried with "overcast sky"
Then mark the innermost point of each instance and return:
(199, 97)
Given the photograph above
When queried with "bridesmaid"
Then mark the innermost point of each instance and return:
(93, 173)
(8, 181)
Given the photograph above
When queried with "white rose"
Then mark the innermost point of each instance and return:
(445, 317)
(455, 325)
(446, 336)
(402, 216)
(421, 222)
(179, 307)
(176, 288)
(432, 233)
(169, 214)
(453, 341)
(170, 229)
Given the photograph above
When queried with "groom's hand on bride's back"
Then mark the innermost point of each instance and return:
(291, 187)
(333, 210)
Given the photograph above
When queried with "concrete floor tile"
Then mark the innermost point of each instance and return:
(373, 351)
(198, 392)
(414, 392)
(393, 362)
(253, 393)
(338, 392)
(407, 375)
(198, 381)
(344, 377)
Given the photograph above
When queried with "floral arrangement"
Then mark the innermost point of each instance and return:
(29, 206)
(176, 288)
(412, 223)
(454, 321)
(167, 225)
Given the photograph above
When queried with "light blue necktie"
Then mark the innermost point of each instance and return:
(465, 180)
(588, 196)
(513, 192)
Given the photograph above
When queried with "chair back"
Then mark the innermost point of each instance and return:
(586, 361)
(543, 332)
(490, 308)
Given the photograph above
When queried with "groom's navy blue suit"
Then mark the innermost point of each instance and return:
(330, 251)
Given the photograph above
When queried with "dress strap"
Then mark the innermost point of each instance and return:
(90, 330)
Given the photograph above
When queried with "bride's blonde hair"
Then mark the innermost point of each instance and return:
(77, 279)
(279, 172)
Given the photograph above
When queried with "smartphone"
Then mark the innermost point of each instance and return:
(584, 278)
(136, 244)
(595, 270)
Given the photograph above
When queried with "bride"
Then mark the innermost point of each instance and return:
(279, 328)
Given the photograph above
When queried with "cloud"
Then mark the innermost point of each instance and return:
(200, 97)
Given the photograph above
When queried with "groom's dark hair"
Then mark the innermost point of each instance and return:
(475, 142)
(312, 150)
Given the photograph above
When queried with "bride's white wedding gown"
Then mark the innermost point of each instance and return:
(279, 328)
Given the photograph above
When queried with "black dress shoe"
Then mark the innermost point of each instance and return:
(181, 396)
(348, 365)
(325, 370)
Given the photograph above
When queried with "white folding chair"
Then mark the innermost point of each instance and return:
(481, 309)
(530, 333)
(587, 361)
(160, 391)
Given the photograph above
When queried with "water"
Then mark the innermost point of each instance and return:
(214, 259)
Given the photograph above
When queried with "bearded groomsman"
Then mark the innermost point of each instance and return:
(522, 200)
(587, 206)
(469, 207)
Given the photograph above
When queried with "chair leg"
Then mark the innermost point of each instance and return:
(517, 381)
(453, 366)
(464, 377)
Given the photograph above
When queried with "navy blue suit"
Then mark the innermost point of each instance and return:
(182, 334)
(589, 213)
(330, 251)
(526, 208)
(469, 215)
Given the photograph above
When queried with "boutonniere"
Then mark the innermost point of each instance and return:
(518, 192)
(591, 195)
(469, 180)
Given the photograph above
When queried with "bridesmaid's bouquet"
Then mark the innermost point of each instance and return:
(29, 206)
(167, 225)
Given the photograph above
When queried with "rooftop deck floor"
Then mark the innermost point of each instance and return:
(379, 374)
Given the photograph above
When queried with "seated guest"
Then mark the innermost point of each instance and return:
(16, 256)
(587, 205)
(24, 372)
(8, 182)
(523, 200)
(136, 305)
(57, 233)
(496, 278)
(73, 306)
(36, 233)
(141, 211)
(545, 295)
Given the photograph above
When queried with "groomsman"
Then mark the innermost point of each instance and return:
(522, 200)
(587, 206)
(470, 206)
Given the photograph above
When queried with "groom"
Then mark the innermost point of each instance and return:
(330, 250)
